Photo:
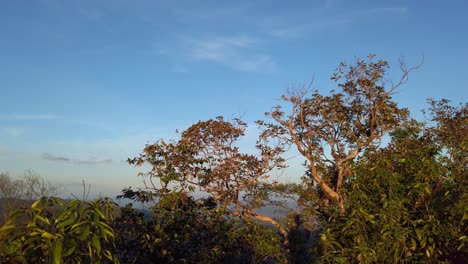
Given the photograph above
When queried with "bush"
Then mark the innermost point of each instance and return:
(52, 232)
(195, 232)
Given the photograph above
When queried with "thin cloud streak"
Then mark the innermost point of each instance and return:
(304, 29)
(14, 117)
(383, 10)
(91, 161)
(48, 156)
(298, 30)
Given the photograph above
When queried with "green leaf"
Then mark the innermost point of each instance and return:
(107, 232)
(43, 219)
(108, 254)
(99, 212)
(36, 203)
(6, 228)
(70, 250)
(84, 233)
(419, 234)
(67, 222)
(35, 233)
(57, 252)
(96, 243)
(48, 235)
(75, 226)
(385, 234)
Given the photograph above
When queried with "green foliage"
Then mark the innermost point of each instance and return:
(406, 203)
(193, 232)
(53, 232)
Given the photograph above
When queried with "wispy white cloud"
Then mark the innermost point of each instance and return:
(259, 62)
(179, 69)
(337, 20)
(217, 48)
(90, 161)
(238, 52)
(295, 31)
(13, 131)
(28, 117)
(200, 11)
(399, 10)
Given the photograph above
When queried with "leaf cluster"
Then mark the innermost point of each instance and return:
(51, 231)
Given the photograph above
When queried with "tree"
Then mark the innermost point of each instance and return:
(407, 202)
(206, 158)
(331, 131)
(449, 132)
(23, 191)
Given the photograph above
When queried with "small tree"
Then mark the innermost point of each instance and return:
(23, 191)
(206, 158)
(330, 131)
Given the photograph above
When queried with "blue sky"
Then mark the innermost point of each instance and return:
(85, 84)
